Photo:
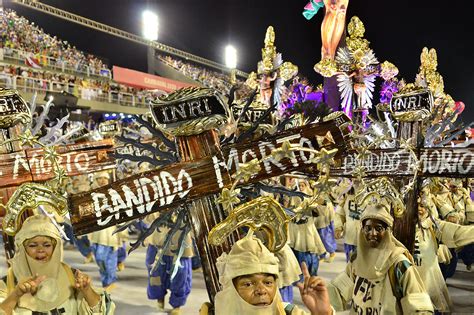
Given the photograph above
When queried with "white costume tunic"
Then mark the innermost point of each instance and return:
(428, 236)
(380, 280)
(347, 217)
(305, 237)
(57, 291)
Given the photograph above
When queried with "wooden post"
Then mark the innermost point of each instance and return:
(404, 228)
(205, 213)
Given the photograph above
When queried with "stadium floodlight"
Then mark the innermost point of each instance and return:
(150, 25)
(230, 57)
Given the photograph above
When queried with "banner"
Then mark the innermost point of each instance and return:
(145, 80)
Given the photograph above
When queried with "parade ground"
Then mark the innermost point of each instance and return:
(130, 295)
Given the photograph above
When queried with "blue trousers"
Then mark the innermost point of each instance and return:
(311, 260)
(287, 294)
(180, 285)
(328, 239)
(82, 243)
(121, 253)
(349, 249)
(196, 262)
(69, 233)
(449, 269)
(106, 258)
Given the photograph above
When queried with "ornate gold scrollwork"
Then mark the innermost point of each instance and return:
(13, 109)
(263, 213)
(30, 196)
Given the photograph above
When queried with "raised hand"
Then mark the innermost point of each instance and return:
(83, 281)
(314, 293)
(29, 285)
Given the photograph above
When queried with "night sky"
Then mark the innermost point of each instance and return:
(397, 31)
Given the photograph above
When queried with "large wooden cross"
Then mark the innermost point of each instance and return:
(399, 164)
(18, 165)
(204, 169)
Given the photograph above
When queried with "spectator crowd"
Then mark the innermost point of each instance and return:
(51, 64)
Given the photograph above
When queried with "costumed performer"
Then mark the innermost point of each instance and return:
(162, 279)
(429, 233)
(303, 236)
(346, 221)
(39, 282)
(105, 244)
(249, 276)
(381, 278)
(325, 225)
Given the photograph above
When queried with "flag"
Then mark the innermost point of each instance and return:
(33, 62)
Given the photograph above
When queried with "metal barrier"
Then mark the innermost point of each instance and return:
(56, 64)
(31, 85)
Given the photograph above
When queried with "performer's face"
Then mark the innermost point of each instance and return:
(374, 231)
(422, 212)
(256, 289)
(102, 181)
(40, 248)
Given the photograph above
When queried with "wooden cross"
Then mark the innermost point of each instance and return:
(204, 170)
(408, 108)
(18, 166)
(399, 164)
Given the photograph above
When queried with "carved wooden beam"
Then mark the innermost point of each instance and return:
(30, 165)
(435, 162)
(161, 189)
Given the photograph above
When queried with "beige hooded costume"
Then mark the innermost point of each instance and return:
(247, 256)
(374, 279)
(57, 290)
(347, 218)
(106, 237)
(304, 237)
(428, 234)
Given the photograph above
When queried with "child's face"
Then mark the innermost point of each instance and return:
(40, 248)
(257, 289)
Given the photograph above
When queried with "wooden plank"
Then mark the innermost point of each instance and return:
(138, 195)
(435, 162)
(26, 166)
(314, 136)
(141, 194)
(75, 159)
(14, 169)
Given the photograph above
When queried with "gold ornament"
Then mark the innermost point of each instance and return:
(262, 213)
(30, 196)
(285, 151)
(247, 170)
(324, 157)
(287, 71)
(185, 102)
(388, 70)
(13, 109)
(228, 198)
(326, 67)
(27, 139)
(382, 189)
(356, 30)
(252, 81)
(268, 52)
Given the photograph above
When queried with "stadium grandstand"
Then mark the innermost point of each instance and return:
(32, 61)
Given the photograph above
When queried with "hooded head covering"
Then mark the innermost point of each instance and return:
(247, 256)
(56, 288)
(381, 258)
(101, 175)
